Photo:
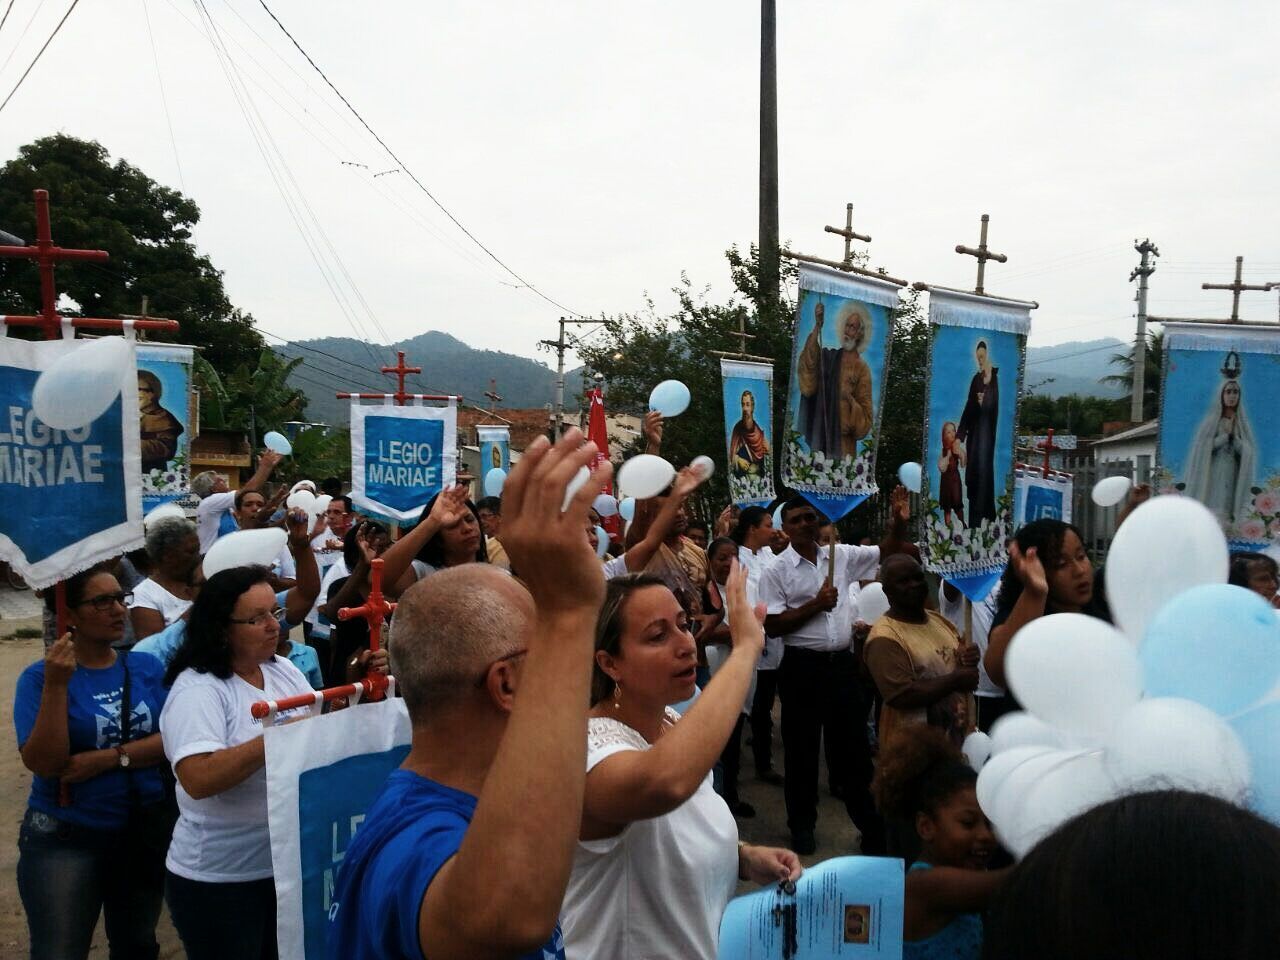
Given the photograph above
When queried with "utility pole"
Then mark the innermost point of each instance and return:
(1140, 273)
(768, 244)
(559, 346)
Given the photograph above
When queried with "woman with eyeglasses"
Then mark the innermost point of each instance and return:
(219, 879)
(94, 834)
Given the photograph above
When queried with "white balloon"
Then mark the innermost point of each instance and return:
(303, 485)
(1110, 490)
(322, 503)
(602, 542)
(605, 505)
(644, 476)
(977, 749)
(162, 511)
(301, 500)
(1021, 729)
(575, 484)
(1074, 672)
(1073, 784)
(243, 548)
(81, 384)
(1165, 743)
(872, 603)
(997, 769)
(277, 442)
(704, 467)
(1166, 546)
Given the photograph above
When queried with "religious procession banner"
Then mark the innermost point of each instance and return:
(748, 430)
(495, 448)
(1040, 497)
(168, 421)
(401, 457)
(1220, 386)
(977, 348)
(72, 498)
(323, 773)
(836, 388)
(843, 907)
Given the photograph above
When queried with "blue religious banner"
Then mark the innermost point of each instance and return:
(495, 448)
(836, 389)
(977, 348)
(843, 907)
(168, 421)
(1221, 383)
(401, 457)
(72, 497)
(748, 430)
(322, 775)
(1040, 497)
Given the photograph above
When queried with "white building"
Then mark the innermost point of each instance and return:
(1131, 452)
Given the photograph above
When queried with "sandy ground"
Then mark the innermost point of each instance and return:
(836, 835)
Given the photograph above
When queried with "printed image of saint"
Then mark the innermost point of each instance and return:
(977, 432)
(160, 429)
(748, 445)
(1223, 453)
(835, 384)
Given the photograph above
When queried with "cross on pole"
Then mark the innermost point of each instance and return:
(400, 371)
(1236, 287)
(1049, 448)
(848, 234)
(400, 396)
(375, 609)
(982, 254)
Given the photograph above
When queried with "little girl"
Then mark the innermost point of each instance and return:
(923, 781)
(950, 496)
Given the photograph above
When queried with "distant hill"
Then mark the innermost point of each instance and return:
(1074, 367)
(448, 366)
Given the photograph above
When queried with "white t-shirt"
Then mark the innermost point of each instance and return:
(151, 596)
(209, 517)
(983, 614)
(335, 572)
(616, 567)
(756, 564)
(718, 653)
(326, 557)
(284, 566)
(659, 888)
(792, 581)
(223, 838)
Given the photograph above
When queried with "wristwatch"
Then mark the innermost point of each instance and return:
(122, 758)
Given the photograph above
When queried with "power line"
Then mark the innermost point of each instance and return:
(74, 4)
(7, 11)
(164, 100)
(403, 166)
(23, 35)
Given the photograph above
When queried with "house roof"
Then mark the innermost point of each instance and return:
(1140, 432)
(526, 424)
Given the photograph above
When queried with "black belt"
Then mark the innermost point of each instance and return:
(822, 654)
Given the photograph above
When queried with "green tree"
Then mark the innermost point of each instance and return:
(145, 226)
(1151, 380)
(1071, 413)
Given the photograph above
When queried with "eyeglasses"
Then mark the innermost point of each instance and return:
(510, 656)
(262, 619)
(105, 601)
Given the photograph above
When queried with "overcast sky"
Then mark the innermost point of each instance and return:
(600, 149)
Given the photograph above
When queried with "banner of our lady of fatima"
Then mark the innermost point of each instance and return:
(837, 384)
(401, 457)
(748, 430)
(977, 348)
(1220, 386)
(495, 448)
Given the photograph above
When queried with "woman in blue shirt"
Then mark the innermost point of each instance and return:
(87, 720)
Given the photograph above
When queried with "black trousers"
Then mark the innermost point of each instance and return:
(991, 709)
(762, 719)
(218, 921)
(821, 697)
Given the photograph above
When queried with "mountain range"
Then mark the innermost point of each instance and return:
(343, 364)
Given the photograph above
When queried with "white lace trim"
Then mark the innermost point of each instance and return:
(605, 732)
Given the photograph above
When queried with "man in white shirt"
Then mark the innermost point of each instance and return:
(818, 679)
(216, 499)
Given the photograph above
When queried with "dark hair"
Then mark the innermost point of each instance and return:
(1243, 560)
(918, 771)
(1046, 536)
(346, 503)
(242, 493)
(1166, 874)
(699, 524)
(748, 520)
(492, 504)
(609, 625)
(333, 487)
(432, 552)
(351, 541)
(205, 648)
(152, 381)
(796, 503)
(983, 345)
(719, 542)
(75, 585)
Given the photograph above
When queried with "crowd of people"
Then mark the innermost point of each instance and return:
(577, 713)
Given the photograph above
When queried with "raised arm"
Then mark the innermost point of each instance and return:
(895, 531)
(267, 461)
(398, 558)
(639, 555)
(1030, 605)
(302, 595)
(484, 903)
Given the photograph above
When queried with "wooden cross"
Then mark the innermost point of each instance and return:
(492, 394)
(848, 234)
(1236, 288)
(400, 371)
(982, 254)
(400, 396)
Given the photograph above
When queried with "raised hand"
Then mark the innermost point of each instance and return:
(1029, 569)
(271, 457)
(296, 524)
(819, 316)
(686, 481)
(60, 660)
(653, 430)
(450, 505)
(746, 624)
(900, 503)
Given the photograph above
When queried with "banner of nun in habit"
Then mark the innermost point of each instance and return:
(837, 387)
(1220, 385)
(977, 347)
(748, 430)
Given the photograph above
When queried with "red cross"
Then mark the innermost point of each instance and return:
(374, 611)
(1049, 448)
(400, 370)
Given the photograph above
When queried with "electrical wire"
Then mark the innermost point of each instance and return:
(27, 72)
(7, 11)
(164, 100)
(409, 173)
(23, 35)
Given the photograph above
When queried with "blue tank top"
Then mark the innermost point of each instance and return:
(961, 939)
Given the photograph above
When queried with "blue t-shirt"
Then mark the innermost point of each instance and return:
(412, 828)
(227, 524)
(961, 939)
(93, 707)
(304, 658)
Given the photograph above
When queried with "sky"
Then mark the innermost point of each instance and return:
(600, 150)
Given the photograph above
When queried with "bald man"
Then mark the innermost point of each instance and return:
(467, 850)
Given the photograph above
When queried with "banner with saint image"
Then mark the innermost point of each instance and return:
(168, 420)
(748, 430)
(495, 448)
(1219, 387)
(836, 388)
(977, 349)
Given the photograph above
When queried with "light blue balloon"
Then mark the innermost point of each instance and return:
(909, 475)
(627, 508)
(670, 398)
(602, 542)
(1257, 731)
(278, 443)
(493, 482)
(777, 517)
(1216, 644)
